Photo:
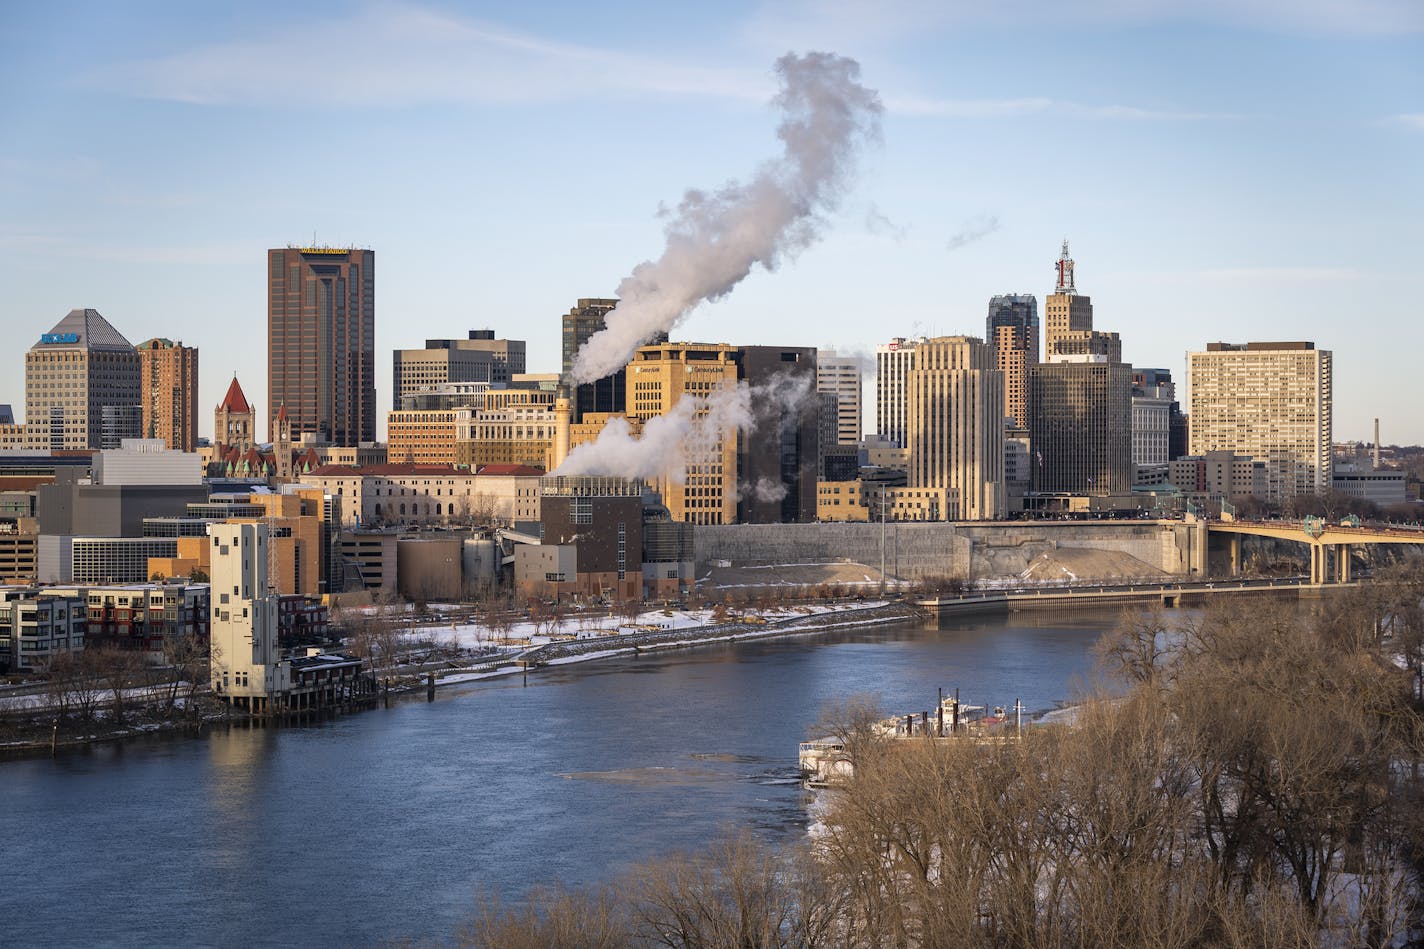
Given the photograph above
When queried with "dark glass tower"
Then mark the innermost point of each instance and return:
(609, 393)
(321, 341)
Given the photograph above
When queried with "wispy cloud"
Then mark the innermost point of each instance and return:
(1413, 120)
(841, 22)
(981, 225)
(1036, 105)
(878, 222)
(392, 55)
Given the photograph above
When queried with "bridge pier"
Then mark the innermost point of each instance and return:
(1235, 547)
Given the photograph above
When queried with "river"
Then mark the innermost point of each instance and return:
(381, 825)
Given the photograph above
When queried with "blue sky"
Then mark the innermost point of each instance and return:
(1225, 169)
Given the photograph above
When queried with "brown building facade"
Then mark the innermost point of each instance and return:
(321, 341)
(169, 392)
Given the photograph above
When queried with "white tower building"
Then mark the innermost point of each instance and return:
(246, 669)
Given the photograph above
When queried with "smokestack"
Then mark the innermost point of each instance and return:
(561, 427)
(1377, 444)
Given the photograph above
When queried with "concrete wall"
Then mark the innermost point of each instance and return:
(971, 551)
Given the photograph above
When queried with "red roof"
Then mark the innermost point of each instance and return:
(392, 468)
(282, 413)
(235, 401)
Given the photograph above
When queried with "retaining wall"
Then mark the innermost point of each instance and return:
(965, 550)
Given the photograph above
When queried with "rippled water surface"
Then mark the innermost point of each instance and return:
(381, 825)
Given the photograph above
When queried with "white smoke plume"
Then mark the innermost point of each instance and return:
(694, 426)
(764, 489)
(716, 238)
(691, 431)
(981, 225)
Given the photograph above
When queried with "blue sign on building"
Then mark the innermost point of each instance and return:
(59, 337)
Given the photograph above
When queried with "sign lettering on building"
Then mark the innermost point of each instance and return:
(47, 338)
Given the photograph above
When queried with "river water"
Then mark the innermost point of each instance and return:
(381, 825)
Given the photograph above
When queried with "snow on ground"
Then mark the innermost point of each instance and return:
(597, 626)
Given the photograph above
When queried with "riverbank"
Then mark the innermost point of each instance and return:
(39, 733)
(638, 641)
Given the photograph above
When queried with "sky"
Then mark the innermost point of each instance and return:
(1224, 170)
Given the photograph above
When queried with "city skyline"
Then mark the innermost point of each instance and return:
(1224, 174)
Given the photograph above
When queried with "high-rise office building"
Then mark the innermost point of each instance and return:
(481, 358)
(321, 342)
(893, 362)
(955, 401)
(82, 385)
(1012, 330)
(1066, 312)
(1152, 408)
(1068, 320)
(1269, 401)
(778, 456)
(608, 394)
(659, 377)
(1081, 431)
(170, 392)
(762, 473)
(840, 376)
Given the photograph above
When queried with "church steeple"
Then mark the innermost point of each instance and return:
(235, 421)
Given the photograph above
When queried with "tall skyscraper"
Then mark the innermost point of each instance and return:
(955, 400)
(608, 394)
(82, 385)
(1081, 432)
(662, 375)
(893, 362)
(840, 376)
(321, 341)
(481, 358)
(1012, 330)
(1068, 320)
(778, 457)
(1065, 311)
(1271, 401)
(170, 392)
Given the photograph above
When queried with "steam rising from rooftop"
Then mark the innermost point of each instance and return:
(691, 432)
(715, 238)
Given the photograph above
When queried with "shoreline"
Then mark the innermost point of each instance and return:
(591, 650)
(98, 733)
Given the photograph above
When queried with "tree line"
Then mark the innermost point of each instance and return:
(1252, 779)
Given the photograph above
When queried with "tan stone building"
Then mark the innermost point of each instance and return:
(1065, 311)
(515, 427)
(841, 501)
(657, 379)
(235, 420)
(1012, 329)
(169, 390)
(1270, 401)
(955, 398)
(82, 385)
(409, 495)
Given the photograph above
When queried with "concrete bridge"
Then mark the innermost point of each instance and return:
(1098, 596)
(1330, 544)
